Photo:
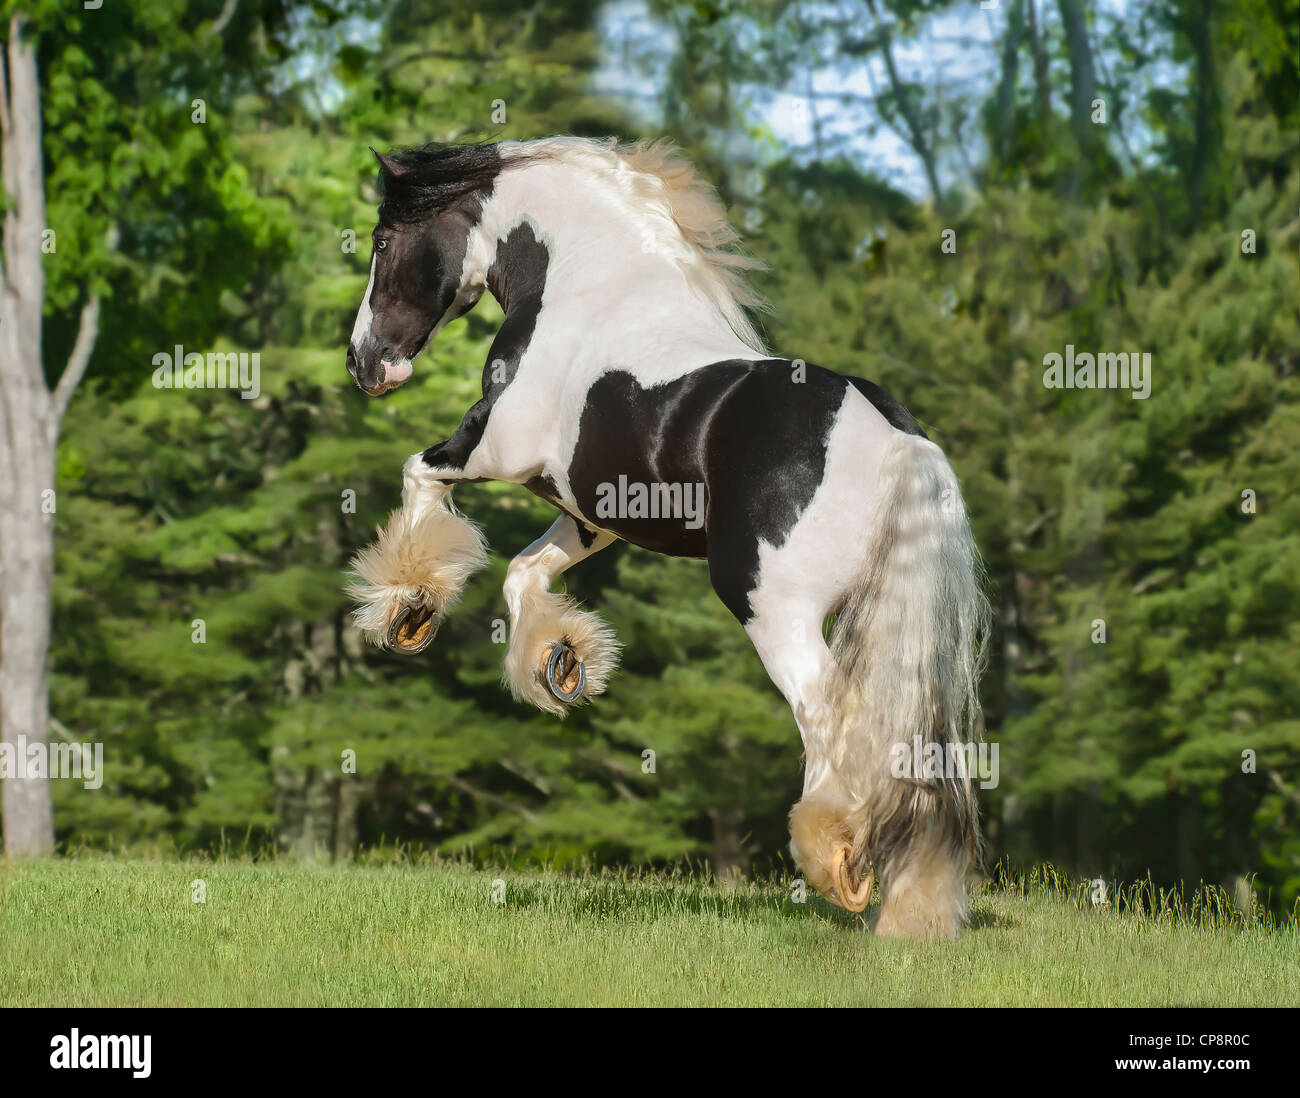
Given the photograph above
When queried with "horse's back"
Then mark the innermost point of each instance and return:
(763, 443)
(790, 506)
(898, 417)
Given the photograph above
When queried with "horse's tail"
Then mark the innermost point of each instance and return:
(908, 650)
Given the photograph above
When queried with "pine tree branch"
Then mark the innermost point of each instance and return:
(489, 798)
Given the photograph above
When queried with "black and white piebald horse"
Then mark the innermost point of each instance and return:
(626, 383)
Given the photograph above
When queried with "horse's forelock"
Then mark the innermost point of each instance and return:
(433, 177)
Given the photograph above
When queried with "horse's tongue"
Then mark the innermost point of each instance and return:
(396, 374)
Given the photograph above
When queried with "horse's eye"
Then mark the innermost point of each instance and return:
(381, 245)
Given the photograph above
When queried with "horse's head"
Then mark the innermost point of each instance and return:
(419, 279)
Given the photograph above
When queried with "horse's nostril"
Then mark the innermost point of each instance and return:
(352, 361)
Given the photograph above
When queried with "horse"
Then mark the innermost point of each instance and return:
(629, 388)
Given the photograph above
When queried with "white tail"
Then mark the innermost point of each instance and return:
(908, 650)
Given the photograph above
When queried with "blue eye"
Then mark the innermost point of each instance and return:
(381, 245)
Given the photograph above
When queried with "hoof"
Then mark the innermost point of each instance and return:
(560, 657)
(849, 894)
(565, 675)
(412, 629)
(411, 576)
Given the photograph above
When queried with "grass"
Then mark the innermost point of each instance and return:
(89, 931)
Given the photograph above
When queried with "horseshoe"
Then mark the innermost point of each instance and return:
(558, 673)
(849, 896)
(412, 629)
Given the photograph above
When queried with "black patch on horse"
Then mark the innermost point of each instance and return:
(899, 417)
(546, 488)
(746, 430)
(517, 279)
(455, 452)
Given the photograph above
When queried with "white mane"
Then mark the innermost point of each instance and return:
(662, 186)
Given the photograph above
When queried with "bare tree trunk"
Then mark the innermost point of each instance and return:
(29, 427)
(1042, 85)
(912, 121)
(1006, 94)
(728, 851)
(26, 572)
(1198, 30)
(1083, 80)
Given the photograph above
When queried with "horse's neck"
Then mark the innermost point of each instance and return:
(611, 295)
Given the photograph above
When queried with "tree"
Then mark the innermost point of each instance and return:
(32, 414)
(79, 72)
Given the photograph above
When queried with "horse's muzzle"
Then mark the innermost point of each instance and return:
(377, 370)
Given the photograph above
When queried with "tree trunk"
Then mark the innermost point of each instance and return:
(728, 850)
(913, 122)
(304, 804)
(29, 430)
(26, 576)
(1083, 81)
(26, 459)
(1006, 95)
(1042, 85)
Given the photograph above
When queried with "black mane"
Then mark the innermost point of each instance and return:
(433, 177)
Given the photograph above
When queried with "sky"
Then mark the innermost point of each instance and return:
(955, 49)
(954, 46)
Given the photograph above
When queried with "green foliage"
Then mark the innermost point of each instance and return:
(122, 151)
(177, 507)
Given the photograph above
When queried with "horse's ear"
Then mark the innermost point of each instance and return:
(391, 166)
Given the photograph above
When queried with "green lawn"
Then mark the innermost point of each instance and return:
(101, 932)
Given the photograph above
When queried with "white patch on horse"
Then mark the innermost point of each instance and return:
(655, 321)
(801, 582)
(361, 327)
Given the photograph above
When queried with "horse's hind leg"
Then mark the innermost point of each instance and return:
(558, 653)
(416, 568)
(924, 881)
(922, 877)
(822, 834)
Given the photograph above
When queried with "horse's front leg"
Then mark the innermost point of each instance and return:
(558, 654)
(418, 565)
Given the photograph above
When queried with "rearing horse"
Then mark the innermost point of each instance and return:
(627, 381)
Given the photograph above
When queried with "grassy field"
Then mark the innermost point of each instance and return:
(102, 932)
